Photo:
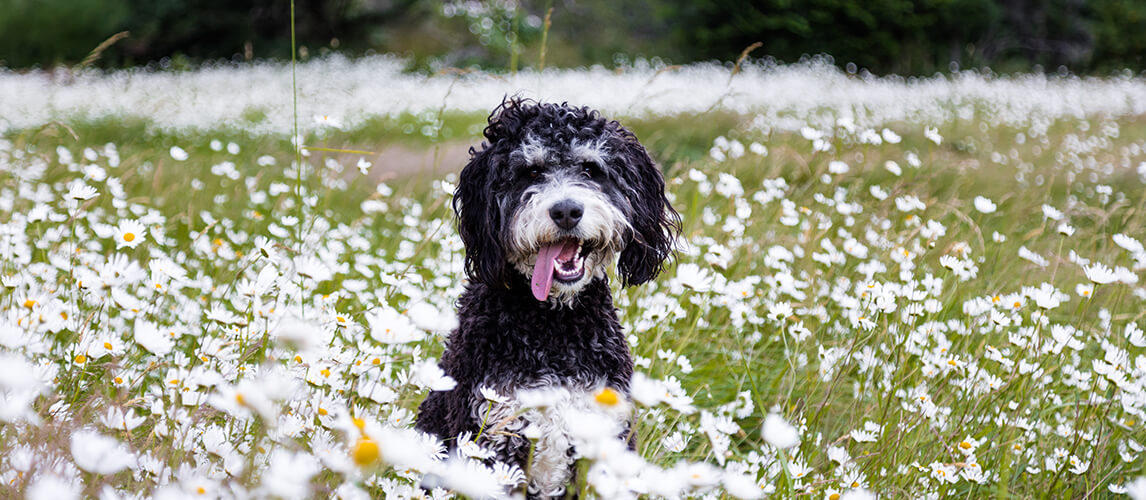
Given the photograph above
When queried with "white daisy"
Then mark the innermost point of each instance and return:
(1100, 274)
(779, 433)
(388, 326)
(932, 134)
(80, 191)
(429, 375)
(100, 454)
(129, 233)
(178, 153)
(985, 205)
(327, 121)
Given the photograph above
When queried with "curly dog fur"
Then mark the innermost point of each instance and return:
(554, 197)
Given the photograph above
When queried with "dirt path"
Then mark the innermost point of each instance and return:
(398, 161)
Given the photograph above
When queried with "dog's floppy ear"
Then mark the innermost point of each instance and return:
(478, 222)
(478, 211)
(655, 223)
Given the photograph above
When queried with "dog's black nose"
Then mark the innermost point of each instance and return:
(566, 213)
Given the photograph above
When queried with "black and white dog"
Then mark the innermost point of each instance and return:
(545, 207)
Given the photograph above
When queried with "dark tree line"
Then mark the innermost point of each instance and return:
(882, 36)
(920, 36)
(47, 32)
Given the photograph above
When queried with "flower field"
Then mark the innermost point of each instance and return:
(903, 288)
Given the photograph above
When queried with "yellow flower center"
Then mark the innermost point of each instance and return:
(81, 359)
(365, 452)
(322, 411)
(30, 303)
(325, 372)
(129, 237)
(119, 380)
(239, 399)
(376, 361)
(107, 345)
(607, 397)
(965, 445)
(201, 490)
(834, 496)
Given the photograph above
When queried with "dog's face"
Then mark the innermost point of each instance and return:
(558, 194)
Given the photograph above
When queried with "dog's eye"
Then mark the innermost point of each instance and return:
(533, 172)
(590, 169)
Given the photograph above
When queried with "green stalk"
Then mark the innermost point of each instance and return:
(295, 141)
(544, 38)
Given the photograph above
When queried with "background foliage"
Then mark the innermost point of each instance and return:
(882, 36)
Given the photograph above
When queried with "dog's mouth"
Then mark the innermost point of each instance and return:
(563, 261)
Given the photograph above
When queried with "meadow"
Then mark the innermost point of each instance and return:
(903, 288)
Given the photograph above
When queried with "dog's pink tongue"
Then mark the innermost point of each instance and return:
(543, 271)
(547, 259)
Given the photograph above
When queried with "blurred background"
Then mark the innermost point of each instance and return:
(905, 37)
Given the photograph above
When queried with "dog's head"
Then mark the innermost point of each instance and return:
(558, 194)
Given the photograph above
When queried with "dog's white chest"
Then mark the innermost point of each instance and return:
(555, 420)
(554, 453)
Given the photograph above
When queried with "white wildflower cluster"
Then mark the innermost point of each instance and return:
(820, 101)
(852, 262)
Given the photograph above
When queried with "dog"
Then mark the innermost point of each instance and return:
(555, 196)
